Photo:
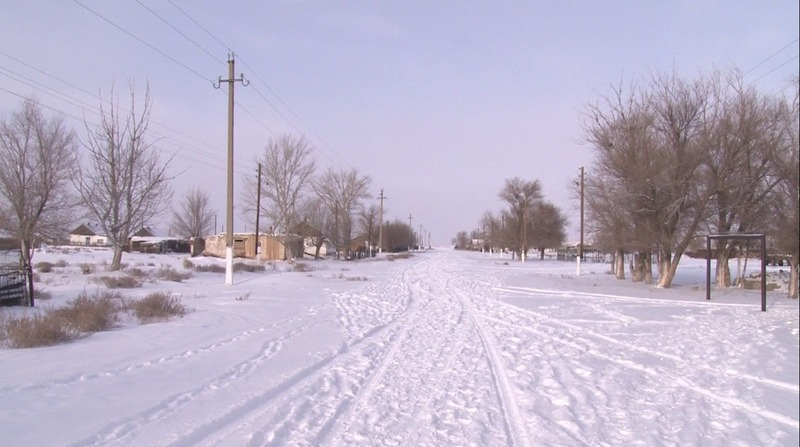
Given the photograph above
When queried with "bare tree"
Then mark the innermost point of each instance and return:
(194, 218)
(521, 196)
(648, 147)
(316, 218)
(461, 241)
(288, 166)
(491, 227)
(548, 227)
(125, 184)
(36, 155)
(369, 220)
(341, 192)
(398, 235)
(785, 214)
(742, 143)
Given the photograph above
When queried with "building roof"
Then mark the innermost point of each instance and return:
(87, 229)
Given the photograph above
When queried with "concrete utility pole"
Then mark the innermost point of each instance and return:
(229, 221)
(580, 246)
(258, 209)
(380, 228)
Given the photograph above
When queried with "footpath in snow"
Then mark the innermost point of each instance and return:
(444, 348)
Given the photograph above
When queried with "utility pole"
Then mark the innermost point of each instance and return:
(421, 238)
(380, 228)
(258, 209)
(229, 221)
(580, 245)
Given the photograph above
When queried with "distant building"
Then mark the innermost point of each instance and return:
(88, 234)
(153, 240)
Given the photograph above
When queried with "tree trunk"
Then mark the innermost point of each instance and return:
(793, 276)
(647, 267)
(666, 281)
(25, 253)
(25, 256)
(619, 264)
(665, 262)
(116, 261)
(723, 256)
(636, 271)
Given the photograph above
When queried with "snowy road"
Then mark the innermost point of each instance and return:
(437, 350)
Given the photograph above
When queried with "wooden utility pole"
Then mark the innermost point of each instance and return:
(258, 208)
(229, 221)
(380, 228)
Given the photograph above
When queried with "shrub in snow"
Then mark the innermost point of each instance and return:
(31, 331)
(156, 306)
(170, 274)
(44, 267)
(120, 282)
(90, 313)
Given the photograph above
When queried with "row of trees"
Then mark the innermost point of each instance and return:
(47, 183)
(337, 203)
(529, 222)
(46, 186)
(678, 159)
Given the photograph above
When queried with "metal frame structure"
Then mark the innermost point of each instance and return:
(760, 236)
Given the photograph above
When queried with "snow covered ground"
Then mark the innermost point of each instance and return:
(443, 348)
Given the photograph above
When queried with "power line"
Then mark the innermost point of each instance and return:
(771, 56)
(179, 32)
(82, 105)
(227, 48)
(774, 69)
(258, 92)
(143, 42)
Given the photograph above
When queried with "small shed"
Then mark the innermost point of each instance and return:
(244, 246)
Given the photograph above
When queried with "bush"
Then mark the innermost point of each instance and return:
(35, 330)
(170, 274)
(301, 267)
(90, 313)
(44, 267)
(86, 268)
(213, 268)
(61, 263)
(120, 282)
(137, 272)
(157, 306)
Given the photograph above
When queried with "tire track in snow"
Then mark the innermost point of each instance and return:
(120, 430)
(515, 427)
(637, 366)
(163, 360)
(584, 329)
(281, 399)
(343, 417)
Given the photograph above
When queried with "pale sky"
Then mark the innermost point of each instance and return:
(437, 101)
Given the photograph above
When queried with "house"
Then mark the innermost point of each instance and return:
(88, 234)
(153, 240)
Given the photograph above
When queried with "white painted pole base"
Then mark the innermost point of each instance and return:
(578, 261)
(228, 266)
